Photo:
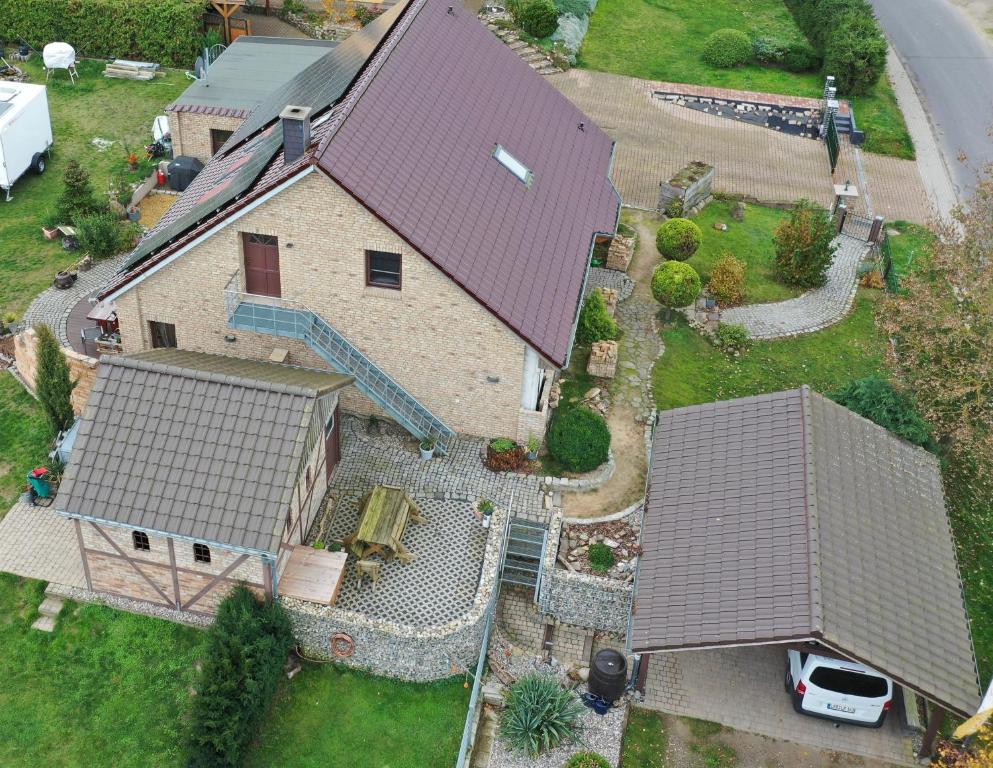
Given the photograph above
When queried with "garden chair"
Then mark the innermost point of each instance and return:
(370, 568)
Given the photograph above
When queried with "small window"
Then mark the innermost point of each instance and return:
(140, 540)
(512, 164)
(201, 553)
(382, 269)
(163, 334)
(217, 139)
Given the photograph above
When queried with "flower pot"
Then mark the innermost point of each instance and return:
(85, 264)
(64, 280)
(50, 234)
(486, 518)
(426, 453)
(532, 455)
(134, 214)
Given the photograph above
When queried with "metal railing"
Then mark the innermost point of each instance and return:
(293, 319)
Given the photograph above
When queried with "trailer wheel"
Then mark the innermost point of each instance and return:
(38, 163)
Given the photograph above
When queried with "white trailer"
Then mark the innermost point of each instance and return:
(25, 131)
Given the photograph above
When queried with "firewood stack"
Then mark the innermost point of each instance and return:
(603, 359)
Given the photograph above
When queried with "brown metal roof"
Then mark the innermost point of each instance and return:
(201, 446)
(788, 517)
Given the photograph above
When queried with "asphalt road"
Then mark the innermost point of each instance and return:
(951, 65)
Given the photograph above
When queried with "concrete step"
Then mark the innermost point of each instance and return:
(549, 70)
(518, 45)
(533, 55)
(44, 624)
(50, 606)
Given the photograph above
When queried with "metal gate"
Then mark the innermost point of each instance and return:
(831, 139)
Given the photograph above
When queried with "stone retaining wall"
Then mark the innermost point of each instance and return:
(82, 369)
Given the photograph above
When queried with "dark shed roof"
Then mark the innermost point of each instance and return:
(788, 517)
(201, 446)
(407, 115)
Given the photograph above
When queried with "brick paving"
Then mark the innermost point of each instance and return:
(743, 688)
(38, 544)
(655, 139)
(813, 310)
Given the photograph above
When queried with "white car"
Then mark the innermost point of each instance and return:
(838, 689)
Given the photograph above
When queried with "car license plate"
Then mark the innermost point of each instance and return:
(841, 708)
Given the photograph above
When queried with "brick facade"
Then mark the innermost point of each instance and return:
(82, 369)
(191, 132)
(437, 341)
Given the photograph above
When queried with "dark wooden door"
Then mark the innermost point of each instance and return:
(332, 443)
(261, 265)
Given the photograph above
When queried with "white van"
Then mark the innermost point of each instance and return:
(838, 689)
(25, 131)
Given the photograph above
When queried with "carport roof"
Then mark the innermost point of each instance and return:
(786, 517)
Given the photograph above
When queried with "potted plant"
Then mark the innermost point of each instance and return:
(486, 508)
(427, 447)
(50, 225)
(134, 213)
(64, 279)
(533, 445)
(84, 264)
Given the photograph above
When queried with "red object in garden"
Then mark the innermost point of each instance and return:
(39, 472)
(160, 177)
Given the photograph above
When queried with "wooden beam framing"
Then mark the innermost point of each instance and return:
(175, 574)
(267, 578)
(82, 554)
(937, 714)
(642, 672)
(133, 564)
(215, 581)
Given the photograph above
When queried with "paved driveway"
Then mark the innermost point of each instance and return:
(655, 139)
(743, 688)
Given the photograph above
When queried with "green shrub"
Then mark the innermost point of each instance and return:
(578, 439)
(294, 6)
(502, 444)
(769, 50)
(678, 239)
(538, 18)
(674, 208)
(727, 48)
(53, 383)
(243, 662)
(101, 235)
(595, 322)
(165, 31)
(804, 248)
(675, 284)
(876, 399)
(601, 557)
(801, 57)
(77, 199)
(856, 54)
(578, 8)
(731, 338)
(539, 714)
(727, 280)
(587, 760)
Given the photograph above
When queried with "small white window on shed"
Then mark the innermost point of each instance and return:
(513, 165)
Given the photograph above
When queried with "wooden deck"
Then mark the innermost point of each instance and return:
(314, 575)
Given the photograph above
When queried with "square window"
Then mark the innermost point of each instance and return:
(163, 334)
(218, 139)
(201, 553)
(140, 540)
(382, 269)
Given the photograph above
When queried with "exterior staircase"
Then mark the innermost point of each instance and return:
(535, 57)
(292, 320)
(526, 541)
(48, 612)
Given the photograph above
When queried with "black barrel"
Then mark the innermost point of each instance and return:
(608, 675)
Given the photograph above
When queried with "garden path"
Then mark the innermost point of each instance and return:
(813, 310)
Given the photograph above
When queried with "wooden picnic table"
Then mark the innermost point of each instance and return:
(384, 511)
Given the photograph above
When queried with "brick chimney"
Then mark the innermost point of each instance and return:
(296, 131)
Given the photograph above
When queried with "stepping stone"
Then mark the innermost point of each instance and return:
(44, 624)
(517, 45)
(50, 606)
(533, 56)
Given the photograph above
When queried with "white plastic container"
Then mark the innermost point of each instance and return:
(25, 131)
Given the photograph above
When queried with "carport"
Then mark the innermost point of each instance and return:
(784, 519)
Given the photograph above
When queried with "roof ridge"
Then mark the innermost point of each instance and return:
(212, 376)
(810, 498)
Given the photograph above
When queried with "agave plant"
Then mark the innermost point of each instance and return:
(539, 714)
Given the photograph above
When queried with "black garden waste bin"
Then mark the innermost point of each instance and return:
(608, 675)
(182, 171)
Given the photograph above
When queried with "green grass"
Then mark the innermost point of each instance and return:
(106, 688)
(118, 110)
(692, 371)
(702, 729)
(908, 247)
(25, 436)
(715, 755)
(331, 717)
(663, 40)
(749, 240)
(645, 741)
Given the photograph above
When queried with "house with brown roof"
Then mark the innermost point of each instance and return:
(785, 521)
(415, 209)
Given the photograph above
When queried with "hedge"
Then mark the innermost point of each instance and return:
(163, 31)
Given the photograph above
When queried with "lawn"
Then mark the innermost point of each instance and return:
(749, 240)
(693, 371)
(333, 717)
(106, 688)
(663, 40)
(25, 438)
(645, 742)
(116, 110)
(909, 246)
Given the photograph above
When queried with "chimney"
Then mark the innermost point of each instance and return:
(296, 131)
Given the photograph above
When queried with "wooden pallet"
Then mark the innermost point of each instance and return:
(130, 70)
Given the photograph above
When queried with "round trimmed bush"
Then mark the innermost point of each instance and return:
(538, 18)
(727, 48)
(587, 760)
(678, 239)
(578, 439)
(675, 284)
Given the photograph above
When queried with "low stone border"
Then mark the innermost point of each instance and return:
(129, 605)
(588, 482)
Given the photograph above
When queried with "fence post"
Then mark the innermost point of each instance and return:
(840, 214)
(875, 230)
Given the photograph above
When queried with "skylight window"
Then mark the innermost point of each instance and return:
(512, 164)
